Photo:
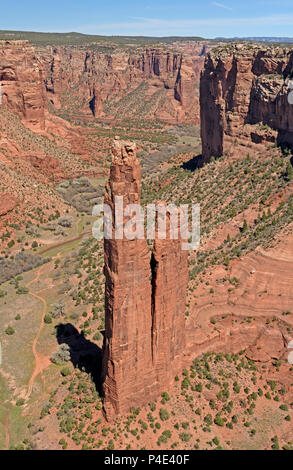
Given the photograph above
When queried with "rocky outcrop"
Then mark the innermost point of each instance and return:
(153, 82)
(144, 302)
(7, 203)
(22, 82)
(244, 95)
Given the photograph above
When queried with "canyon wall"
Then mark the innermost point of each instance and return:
(22, 81)
(244, 96)
(144, 302)
(153, 82)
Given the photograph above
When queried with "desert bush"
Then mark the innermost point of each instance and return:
(58, 310)
(60, 231)
(22, 290)
(50, 226)
(164, 415)
(185, 437)
(65, 371)
(33, 231)
(9, 331)
(61, 355)
(22, 262)
(20, 402)
(65, 221)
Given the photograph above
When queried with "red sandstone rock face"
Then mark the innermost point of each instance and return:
(22, 79)
(242, 86)
(169, 81)
(145, 331)
(169, 284)
(127, 360)
(7, 203)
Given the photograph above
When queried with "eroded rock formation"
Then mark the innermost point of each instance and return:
(22, 82)
(153, 82)
(145, 302)
(7, 203)
(127, 358)
(244, 96)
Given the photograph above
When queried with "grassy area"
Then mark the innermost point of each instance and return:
(78, 39)
(226, 189)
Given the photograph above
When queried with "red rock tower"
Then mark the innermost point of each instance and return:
(144, 302)
(169, 284)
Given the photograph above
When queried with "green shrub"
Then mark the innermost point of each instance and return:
(164, 415)
(9, 331)
(20, 402)
(48, 318)
(65, 371)
(185, 437)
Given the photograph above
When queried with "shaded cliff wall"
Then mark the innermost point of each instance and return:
(242, 86)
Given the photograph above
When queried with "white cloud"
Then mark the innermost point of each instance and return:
(221, 5)
(273, 25)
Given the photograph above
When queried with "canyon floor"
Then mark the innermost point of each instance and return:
(240, 282)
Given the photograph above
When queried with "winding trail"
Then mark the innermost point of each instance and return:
(78, 237)
(7, 431)
(41, 362)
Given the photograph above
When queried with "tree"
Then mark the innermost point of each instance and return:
(61, 355)
(289, 171)
(245, 226)
(48, 318)
(164, 415)
(9, 331)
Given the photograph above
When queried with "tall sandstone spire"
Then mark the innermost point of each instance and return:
(144, 302)
(169, 284)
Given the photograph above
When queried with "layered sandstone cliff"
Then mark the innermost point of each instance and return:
(144, 302)
(244, 95)
(119, 83)
(23, 82)
(127, 360)
(169, 286)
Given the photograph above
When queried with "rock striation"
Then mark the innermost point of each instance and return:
(144, 302)
(244, 95)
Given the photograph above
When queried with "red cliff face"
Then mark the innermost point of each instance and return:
(169, 285)
(145, 303)
(153, 82)
(243, 88)
(127, 359)
(22, 80)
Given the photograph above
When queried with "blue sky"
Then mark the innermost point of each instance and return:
(206, 18)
